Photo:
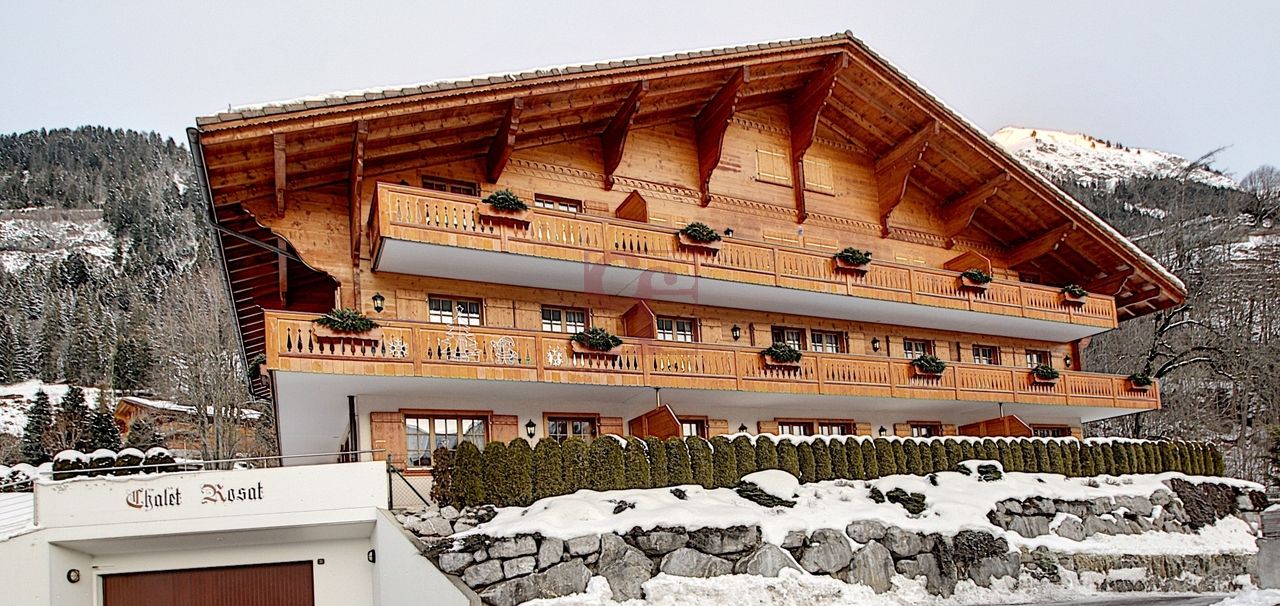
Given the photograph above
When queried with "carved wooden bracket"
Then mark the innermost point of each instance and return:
(614, 137)
(710, 126)
(504, 142)
(893, 170)
(804, 111)
(958, 213)
(1040, 246)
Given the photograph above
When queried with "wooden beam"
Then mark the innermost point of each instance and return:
(957, 214)
(354, 200)
(1138, 297)
(282, 271)
(711, 124)
(803, 113)
(893, 170)
(1111, 284)
(504, 142)
(1039, 246)
(280, 164)
(615, 135)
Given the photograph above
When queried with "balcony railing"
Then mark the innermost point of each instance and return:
(417, 349)
(417, 215)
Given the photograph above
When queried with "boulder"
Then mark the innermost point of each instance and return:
(550, 552)
(518, 567)
(1139, 505)
(453, 561)
(827, 551)
(865, 531)
(767, 560)
(719, 541)
(625, 567)
(449, 512)
(1071, 528)
(484, 573)
(908, 568)
(1096, 525)
(686, 562)
(513, 547)
(1101, 505)
(935, 581)
(1029, 526)
(871, 566)
(994, 567)
(1161, 497)
(794, 539)
(581, 546)
(902, 543)
(660, 541)
(1011, 506)
(1039, 506)
(560, 580)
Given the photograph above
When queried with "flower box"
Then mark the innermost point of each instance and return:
(968, 283)
(1136, 387)
(325, 334)
(490, 213)
(930, 376)
(774, 362)
(583, 350)
(1039, 380)
(844, 266)
(687, 242)
(1070, 299)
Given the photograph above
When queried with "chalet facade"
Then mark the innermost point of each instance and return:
(792, 151)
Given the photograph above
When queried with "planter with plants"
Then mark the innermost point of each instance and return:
(929, 367)
(853, 260)
(1073, 294)
(1140, 381)
(781, 355)
(504, 205)
(346, 324)
(596, 341)
(1043, 374)
(699, 235)
(975, 279)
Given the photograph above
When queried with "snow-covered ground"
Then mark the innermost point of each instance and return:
(16, 398)
(1253, 597)
(1091, 161)
(17, 512)
(37, 236)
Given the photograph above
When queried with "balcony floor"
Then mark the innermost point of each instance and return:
(418, 258)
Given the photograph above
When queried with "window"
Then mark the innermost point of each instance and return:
(1037, 357)
(693, 427)
(453, 186)
(985, 354)
(835, 428)
(795, 428)
(773, 167)
(914, 348)
(817, 176)
(557, 203)
(790, 336)
(450, 311)
(1051, 431)
(826, 342)
(427, 433)
(562, 428)
(926, 430)
(675, 329)
(563, 319)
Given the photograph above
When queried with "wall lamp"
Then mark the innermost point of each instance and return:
(875, 344)
(379, 302)
(529, 428)
(73, 575)
(742, 428)
(728, 232)
(883, 432)
(736, 332)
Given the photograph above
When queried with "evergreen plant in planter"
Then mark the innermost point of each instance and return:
(597, 341)
(975, 279)
(1073, 294)
(929, 367)
(1140, 381)
(257, 366)
(853, 260)
(699, 235)
(781, 354)
(1045, 375)
(504, 205)
(345, 323)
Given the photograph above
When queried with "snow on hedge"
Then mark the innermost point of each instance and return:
(958, 502)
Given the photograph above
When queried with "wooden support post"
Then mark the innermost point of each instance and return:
(710, 126)
(893, 170)
(958, 213)
(504, 142)
(1039, 246)
(277, 142)
(282, 273)
(614, 138)
(803, 113)
(354, 198)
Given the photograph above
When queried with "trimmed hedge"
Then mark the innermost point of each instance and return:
(512, 474)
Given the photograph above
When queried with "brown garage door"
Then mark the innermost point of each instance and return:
(288, 584)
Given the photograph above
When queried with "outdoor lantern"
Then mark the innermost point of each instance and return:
(378, 302)
(529, 428)
(883, 431)
(1066, 361)
(875, 344)
(728, 232)
(742, 428)
(736, 331)
(73, 575)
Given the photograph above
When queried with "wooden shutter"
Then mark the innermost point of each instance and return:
(950, 430)
(387, 430)
(659, 422)
(817, 175)
(902, 430)
(767, 427)
(862, 429)
(504, 428)
(611, 425)
(772, 166)
(717, 427)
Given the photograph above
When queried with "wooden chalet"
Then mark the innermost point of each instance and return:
(792, 150)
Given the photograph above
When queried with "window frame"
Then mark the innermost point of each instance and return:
(698, 422)
(447, 185)
(550, 417)
(564, 322)
(823, 424)
(776, 330)
(675, 328)
(1032, 356)
(933, 426)
(1059, 431)
(444, 415)
(553, 202)
(453, 308)
(809, 426)
(993, 359)
(840, 338)
(909, 352)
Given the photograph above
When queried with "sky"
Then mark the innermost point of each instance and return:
(1180, 76)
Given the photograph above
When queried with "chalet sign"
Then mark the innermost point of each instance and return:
(169, 497)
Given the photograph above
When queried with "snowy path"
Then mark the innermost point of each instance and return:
(1145, 600)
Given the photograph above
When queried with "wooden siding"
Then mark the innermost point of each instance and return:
(288, 584)
(425, 350)
(1008, 425)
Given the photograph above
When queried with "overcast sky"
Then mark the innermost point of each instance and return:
(1186, 77)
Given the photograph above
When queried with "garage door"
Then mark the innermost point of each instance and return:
(288, 584)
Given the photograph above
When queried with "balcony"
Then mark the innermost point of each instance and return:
(421, 232)
(411, 349)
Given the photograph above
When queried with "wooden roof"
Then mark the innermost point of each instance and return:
(834, 87)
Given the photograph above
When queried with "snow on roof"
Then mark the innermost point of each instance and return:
(17, 513)
(166, 405)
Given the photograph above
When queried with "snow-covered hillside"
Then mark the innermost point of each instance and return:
(16, 398)
(1092, 161)
(37, 236)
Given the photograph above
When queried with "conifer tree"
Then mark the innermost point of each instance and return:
(1099, 460)
(808, 469)
(745, 453)
(131, 363)
(577, 471)
(870, 459)
(1057, 463)
(899, 457)
(990, 450)
(10, 357)
(49, 343)
(679, 468)
(520, 462)
(636, 458)
(498, 488)
(857, 466)
(142, 434)
(1030, 460)
(548, 469)
(967, 451)
(1073, 458)
(766, 453)
(1015, 460)
(658, 473)
(839, 459)
(35, 435)
(102, 429)
(940, 462)
(821, 460)
(83, 362)
(912, 452)
(726, 463)
(955, 454)
(72, 426)
(608, 471)
(700, 461)
(468, 476)
(884, 457)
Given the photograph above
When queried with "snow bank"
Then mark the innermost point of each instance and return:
(1253, 597)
